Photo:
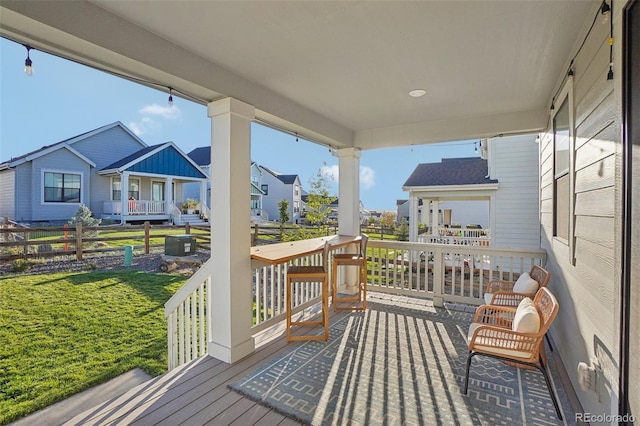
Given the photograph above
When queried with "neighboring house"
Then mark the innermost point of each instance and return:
(501, 186)
(50, 184)
(202, 157)
(278, 187)
(333, 209)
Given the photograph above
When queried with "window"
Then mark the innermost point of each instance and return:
(157, 191)
(296, 206)
(296, 191)
(265, 189)
(561, 189)
(62, 187)
(134, 189)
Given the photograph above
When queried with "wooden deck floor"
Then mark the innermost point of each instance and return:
(197, 393)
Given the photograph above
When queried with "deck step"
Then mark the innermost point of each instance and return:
(65, 410)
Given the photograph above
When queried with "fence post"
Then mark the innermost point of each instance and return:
(146, 237)
(79, 241)
(25, 240)
(66, 237)
(187, 228)
(254, 238)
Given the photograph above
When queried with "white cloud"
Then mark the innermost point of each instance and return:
(163, 111)
(144, 125)
(148, 122)
(367, 175)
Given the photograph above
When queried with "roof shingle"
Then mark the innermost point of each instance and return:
(451, 171)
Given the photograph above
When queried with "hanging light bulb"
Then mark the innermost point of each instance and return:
(170, 97)
(475, 146)
(605, 10)
(297, 137)
(28, 69)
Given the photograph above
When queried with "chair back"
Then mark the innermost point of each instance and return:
(547, 307)
(540, 274)
(325, 256)
(363, 245)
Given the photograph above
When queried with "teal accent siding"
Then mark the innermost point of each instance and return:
(167, 162)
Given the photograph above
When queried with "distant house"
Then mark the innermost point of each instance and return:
(202, 157)
(277, 187)
(502, 185)
(109, 169)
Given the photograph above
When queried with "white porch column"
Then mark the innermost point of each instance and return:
(124, 195)
(413, 218)
(203, 196)
(230, 240)
(435, 217)
(349, 191)
(168, 194)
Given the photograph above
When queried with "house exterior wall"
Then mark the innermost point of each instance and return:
(23, 192)
(192, 189)
(584, 274)
(279, 191)
(7, 189)
(58, 161)
(513, 161)
(107, 147)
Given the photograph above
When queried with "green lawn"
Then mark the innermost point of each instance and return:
(63, 333)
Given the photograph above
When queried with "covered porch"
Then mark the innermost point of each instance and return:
(400, 362)
(370, 63)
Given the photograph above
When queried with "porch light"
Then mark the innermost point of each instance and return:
(170, 97)
(28, 69)
(604, 11)
(416, 93)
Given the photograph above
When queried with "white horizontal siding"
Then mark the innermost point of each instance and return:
(7, 192)
(514, 162)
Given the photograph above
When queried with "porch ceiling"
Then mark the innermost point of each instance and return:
(336, 72)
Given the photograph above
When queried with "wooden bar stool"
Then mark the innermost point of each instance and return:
(309, 274)
(352, 259)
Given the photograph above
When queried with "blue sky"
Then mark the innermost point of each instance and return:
(63, 99)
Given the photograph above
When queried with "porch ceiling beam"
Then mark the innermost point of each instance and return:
(454, 129)
(117, 45)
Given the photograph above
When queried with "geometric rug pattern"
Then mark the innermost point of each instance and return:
(400, 365)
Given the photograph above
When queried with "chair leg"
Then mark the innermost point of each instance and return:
(543, 369)
(466, 374)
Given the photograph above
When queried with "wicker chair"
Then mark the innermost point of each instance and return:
(500, 292)
(352, 259)
(309, 274)
(491, 335)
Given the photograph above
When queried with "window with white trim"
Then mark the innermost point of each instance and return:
(134, 189)
(62, 187)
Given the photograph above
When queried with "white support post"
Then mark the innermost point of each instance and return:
(348, 211)
(231, 305)
(413, 218)
(349, 191)
(124, 196)
(203, 196)
(168, 194)
(435, 219)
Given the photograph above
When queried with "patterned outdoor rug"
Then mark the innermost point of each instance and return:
(399, 366)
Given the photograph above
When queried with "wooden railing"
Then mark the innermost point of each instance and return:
(134, 207)
(444, 272)
(188, 321)
(441, 272)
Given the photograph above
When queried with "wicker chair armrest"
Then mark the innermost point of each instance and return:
(488, 338)
(495, 286)
(505, 298)
(500, 316)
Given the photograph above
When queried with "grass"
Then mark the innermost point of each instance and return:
(64, 333)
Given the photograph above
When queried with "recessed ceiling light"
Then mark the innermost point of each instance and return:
(417, 93)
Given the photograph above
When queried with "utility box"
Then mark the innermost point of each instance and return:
(179, 245)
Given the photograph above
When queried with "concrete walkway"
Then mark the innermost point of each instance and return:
(63, 411)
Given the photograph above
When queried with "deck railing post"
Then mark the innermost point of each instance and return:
(438, 277)
(147, 232)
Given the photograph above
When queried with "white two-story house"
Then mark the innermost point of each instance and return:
(278, 187)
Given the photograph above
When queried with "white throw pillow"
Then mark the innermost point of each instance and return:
(526, 319)
(525, 284)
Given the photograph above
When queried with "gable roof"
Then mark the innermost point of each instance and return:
(66, 143)
(451, 172)
(286, 179)
(162, 159)
(201, 155)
